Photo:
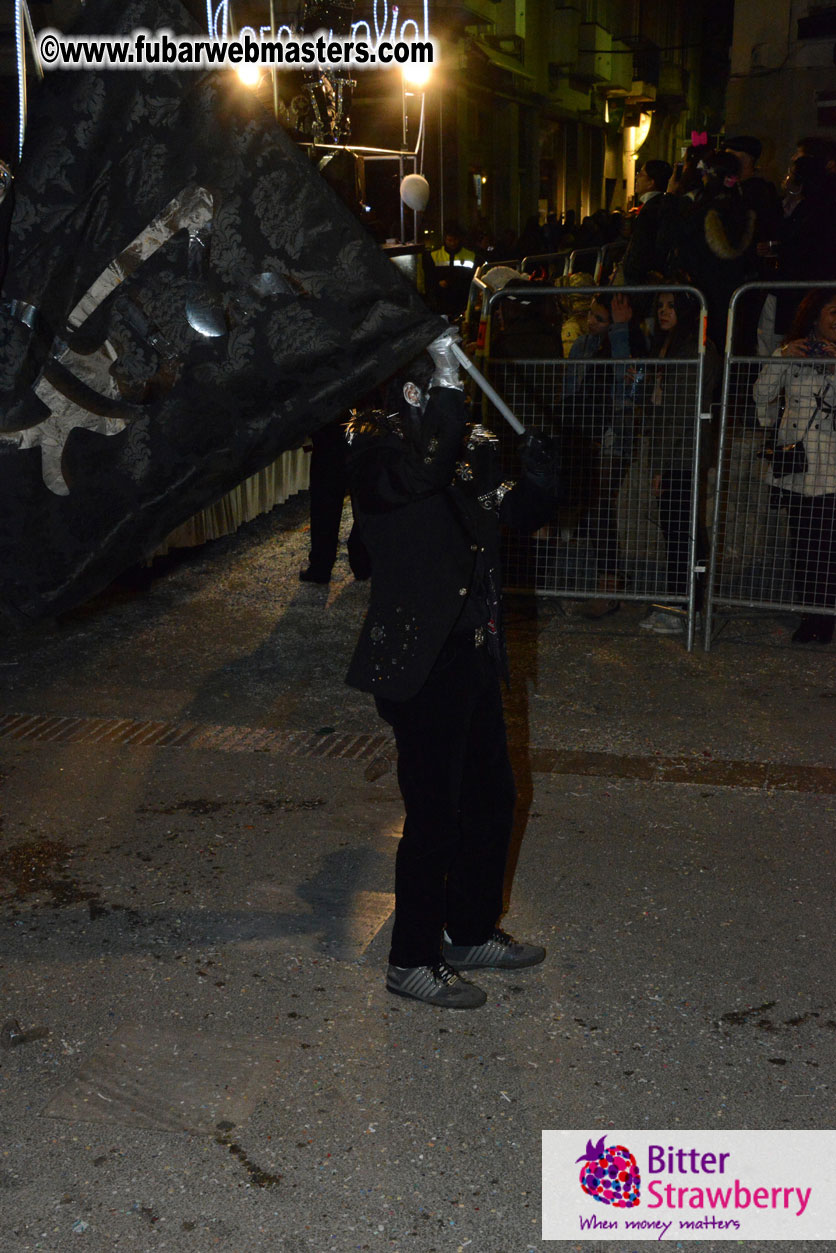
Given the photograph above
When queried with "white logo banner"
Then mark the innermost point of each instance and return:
(688, 1185)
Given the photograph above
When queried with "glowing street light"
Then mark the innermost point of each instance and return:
(250, 75)
(417, 75)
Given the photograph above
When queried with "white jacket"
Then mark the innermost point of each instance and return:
(796, 390)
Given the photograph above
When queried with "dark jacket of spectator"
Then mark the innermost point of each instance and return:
(525, 334)
(806, 240)
(762, 198)
(758, 194)
(715, 240)
(646, 253)
(598, 401)
(669, 396)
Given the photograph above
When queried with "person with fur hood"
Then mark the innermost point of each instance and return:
(714, 239)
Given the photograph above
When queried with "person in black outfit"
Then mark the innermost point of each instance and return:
(761, 196)
(646, 254)
(428, 498)
(822, 150)
(757, 192)
(328, 486)
(806, 246)
(715, 240)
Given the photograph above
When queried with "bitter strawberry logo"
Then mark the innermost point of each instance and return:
(610, 1175)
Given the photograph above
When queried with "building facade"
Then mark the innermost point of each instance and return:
(534, 106)
(538, 107)
(783, 76)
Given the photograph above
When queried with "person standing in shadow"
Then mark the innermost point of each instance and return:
(328, 486)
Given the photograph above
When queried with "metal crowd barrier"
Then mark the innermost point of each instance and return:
(608, 259)
(583, 261)
(599, 261)
(558, 265)
(630, 431)
(773, 538)
(554, 263)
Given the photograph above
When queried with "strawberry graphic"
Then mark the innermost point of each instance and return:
(610, 1175)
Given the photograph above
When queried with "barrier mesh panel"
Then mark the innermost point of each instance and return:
(774, 543)
(628, 430)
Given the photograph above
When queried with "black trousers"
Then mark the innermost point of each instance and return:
(329, 484)
(812, 525)
(675, 523)
(600, 522)
(459, 795)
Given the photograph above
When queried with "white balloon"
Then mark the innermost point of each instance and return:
(415, 192)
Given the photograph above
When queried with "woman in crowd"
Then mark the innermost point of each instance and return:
(670, 429)
(796, 396)
(598, 414)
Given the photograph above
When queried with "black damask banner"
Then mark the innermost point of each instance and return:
(186, 298)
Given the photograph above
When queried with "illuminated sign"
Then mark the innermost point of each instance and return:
(384, 23)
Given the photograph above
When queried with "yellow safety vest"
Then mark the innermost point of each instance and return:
(464, 257)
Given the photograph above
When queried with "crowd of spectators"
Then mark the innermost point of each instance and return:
(714, 223)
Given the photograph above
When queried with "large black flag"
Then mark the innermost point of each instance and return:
(186, 298)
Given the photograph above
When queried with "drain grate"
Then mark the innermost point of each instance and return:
(367, 746)
(51, 729)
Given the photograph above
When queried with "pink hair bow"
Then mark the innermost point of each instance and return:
(699, 139)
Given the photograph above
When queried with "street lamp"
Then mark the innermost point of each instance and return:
(414, 77)
(414, 80)
(250, 75)
(417, 75)
(634, 137)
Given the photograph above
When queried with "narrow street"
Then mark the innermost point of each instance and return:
(199, 823)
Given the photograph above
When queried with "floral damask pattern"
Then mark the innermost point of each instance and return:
(313, 313)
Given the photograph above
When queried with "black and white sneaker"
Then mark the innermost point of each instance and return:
(500, 952)
(436, 985)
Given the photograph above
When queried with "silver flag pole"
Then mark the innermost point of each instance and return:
(493, 396)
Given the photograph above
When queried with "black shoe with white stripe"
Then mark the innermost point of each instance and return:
(436, 985)
(500, 952)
